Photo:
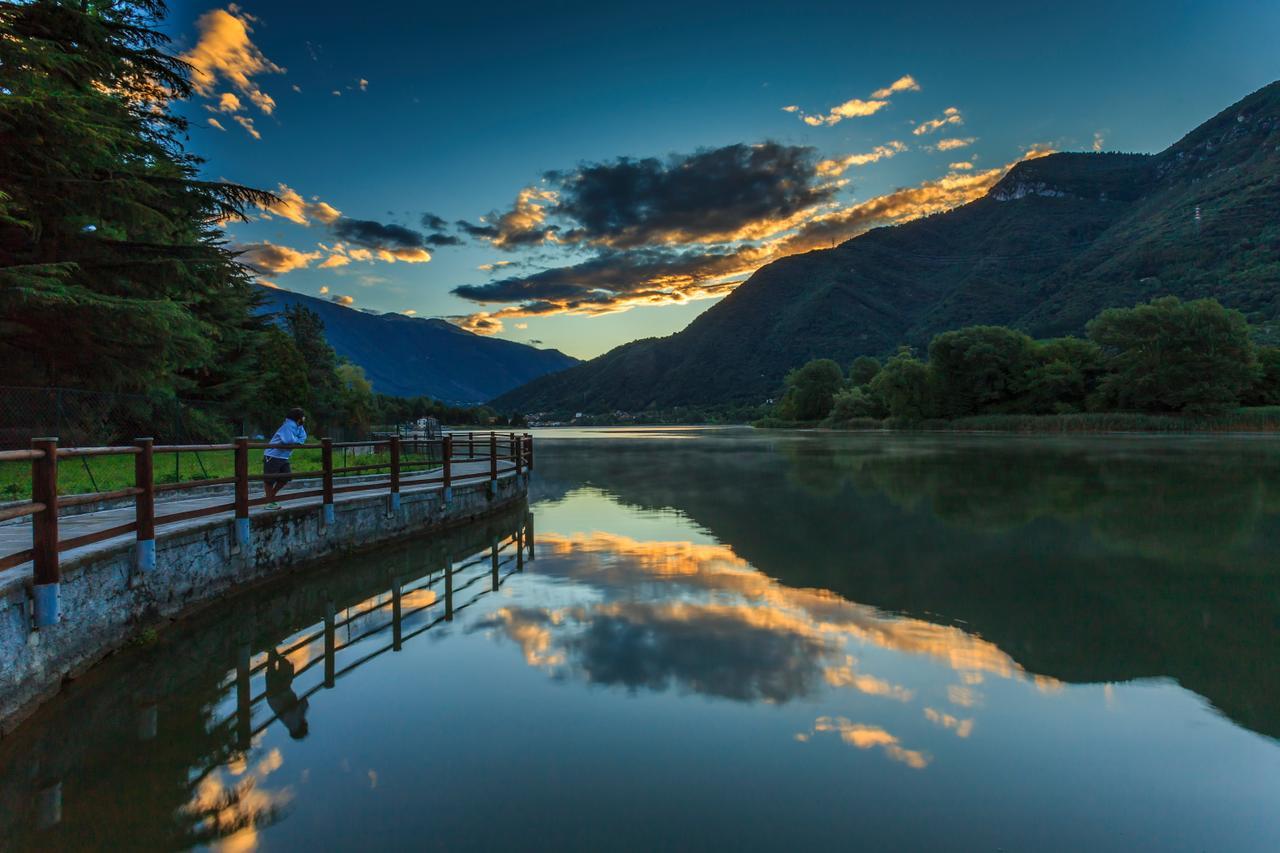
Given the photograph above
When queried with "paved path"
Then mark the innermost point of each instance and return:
(15, 537)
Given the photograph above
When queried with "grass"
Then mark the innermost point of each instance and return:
(107, 473)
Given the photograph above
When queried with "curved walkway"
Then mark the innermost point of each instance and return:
(16, 536)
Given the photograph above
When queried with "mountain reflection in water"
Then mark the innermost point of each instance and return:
(725, 639)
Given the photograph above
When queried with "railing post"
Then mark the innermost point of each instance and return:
(244, 698)
(145, 503)
(471, 445)
(448, 587)
(395, 473)
(494, 582)
(396, 636)
(326, 462)
(493, 464)
(446, 470)
(517, 447)
(330, 642)
(528, 533)
(242, 491)
(528, 456)
(44, 533)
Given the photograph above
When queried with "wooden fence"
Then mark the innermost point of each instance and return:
(45, 502)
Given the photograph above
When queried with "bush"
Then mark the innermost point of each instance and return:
(856, 403)
(904, 388)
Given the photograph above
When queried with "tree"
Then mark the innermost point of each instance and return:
(1173, 356)
(307, 330)
(811, 389)
(1265, 390)
(355, 395)
(979, 368)
(1065, 374)
(284, 378)
(863, 370)
(905, 387)
(113, 273)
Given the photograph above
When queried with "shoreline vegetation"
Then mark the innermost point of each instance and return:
(1161, 366)
(1261, 419)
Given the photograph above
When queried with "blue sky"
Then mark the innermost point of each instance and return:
(464, 107)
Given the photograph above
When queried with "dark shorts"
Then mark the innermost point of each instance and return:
(273, 465)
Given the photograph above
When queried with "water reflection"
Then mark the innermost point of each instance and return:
(1086, 561)
(719, 627)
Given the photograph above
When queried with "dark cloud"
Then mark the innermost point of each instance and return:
(437, 240)
(612, 281)
(483, 231)
(712, 194)
(375, 235)
(609, 274)
(433, 223)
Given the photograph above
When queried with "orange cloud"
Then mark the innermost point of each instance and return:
(224, 51)
(857, 107)
(293, 207)
(951, 115)
(836, 167)
(952, 144)
(272, 259)
(247, 124)
(905, 83)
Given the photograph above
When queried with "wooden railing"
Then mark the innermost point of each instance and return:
(392, 475)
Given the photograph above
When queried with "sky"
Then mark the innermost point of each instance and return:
(580, 175)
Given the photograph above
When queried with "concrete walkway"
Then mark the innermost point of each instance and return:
(15, 537)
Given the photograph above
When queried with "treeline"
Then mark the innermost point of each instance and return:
(1162, 357)
(114, 272)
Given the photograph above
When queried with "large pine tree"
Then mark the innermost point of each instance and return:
(113, 272)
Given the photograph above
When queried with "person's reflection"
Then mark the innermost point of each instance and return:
(291, 710)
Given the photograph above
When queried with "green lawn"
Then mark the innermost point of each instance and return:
(107, 473)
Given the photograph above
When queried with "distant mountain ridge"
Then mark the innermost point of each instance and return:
(408, 356)
(1055, 241)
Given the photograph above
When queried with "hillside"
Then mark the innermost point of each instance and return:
(407, 356)
(1055, 241)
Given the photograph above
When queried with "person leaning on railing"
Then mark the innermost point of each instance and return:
(275, 460)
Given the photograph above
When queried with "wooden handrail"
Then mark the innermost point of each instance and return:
(71, 452)
(19, 510)
(21, 455)
(45, 503)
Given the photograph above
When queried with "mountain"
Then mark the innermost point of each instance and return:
(407, 356)
(1055, 241)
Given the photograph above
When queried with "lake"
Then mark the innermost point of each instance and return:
(720, 638)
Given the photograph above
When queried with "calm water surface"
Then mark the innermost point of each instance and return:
(714, 638)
